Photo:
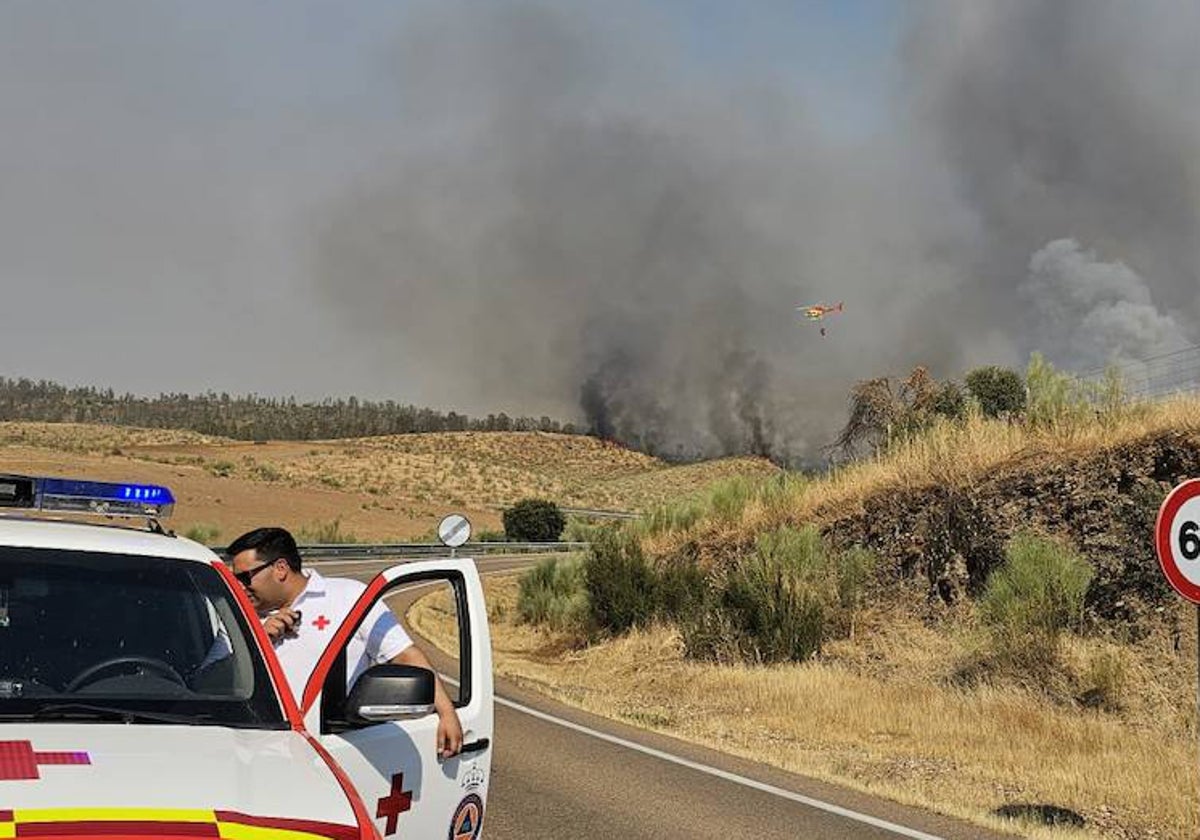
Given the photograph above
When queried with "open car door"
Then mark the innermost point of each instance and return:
(392, 761)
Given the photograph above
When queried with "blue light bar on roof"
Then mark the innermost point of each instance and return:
(102, 497)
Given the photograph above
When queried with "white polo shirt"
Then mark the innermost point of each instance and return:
(323, 604)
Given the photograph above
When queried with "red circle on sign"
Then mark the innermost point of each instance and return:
(1176, 499)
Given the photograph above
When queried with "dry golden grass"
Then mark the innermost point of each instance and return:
(394, 487)
(884, 718)
(660, 486)
(473, 469)
(82, 437)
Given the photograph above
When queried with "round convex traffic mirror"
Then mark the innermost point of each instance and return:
(454, 530)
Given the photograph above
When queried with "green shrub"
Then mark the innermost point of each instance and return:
(673, 516)
(852, 572)
(682, 590)
(999, 391)
(221, 469)
(728, 497)
(491, 536)
(580, 530)
(780, 602)
(1037, 593)
(620, 583)
(203, 533)
(949, 401)
(1057, 400)
(552, 593)
(534, 520)
(325, 533)
(265, 472)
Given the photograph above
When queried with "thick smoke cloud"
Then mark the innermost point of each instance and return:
(579, 221)
(1091, 310)
(1071, 119)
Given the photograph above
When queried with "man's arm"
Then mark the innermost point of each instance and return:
(449, 731)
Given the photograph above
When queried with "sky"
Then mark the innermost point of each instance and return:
(601, 211)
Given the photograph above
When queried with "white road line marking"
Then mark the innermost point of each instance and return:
(783, 793)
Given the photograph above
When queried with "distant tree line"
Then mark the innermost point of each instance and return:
(247, 417)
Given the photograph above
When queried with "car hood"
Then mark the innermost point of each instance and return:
(97, 779)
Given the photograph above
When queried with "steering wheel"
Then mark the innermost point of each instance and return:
(89, 674)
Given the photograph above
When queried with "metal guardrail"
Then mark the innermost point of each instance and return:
(600, 514)
(366, 551)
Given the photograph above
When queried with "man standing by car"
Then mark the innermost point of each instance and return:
(301, 609)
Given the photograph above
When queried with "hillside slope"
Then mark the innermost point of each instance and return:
(377, 488)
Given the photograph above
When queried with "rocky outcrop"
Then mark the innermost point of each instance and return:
(1103, 503)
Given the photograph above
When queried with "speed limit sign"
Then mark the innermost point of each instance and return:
(1177, 538)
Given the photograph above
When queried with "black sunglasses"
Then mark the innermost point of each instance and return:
(245, 577)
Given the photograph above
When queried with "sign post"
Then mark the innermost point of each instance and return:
(1177, 542)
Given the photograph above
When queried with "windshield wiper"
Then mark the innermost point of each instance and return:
(88, 711)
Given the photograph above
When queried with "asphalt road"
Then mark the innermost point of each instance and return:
(560, 772)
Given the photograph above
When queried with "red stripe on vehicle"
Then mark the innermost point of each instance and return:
(282, 689)
(366, 828)
(336, 831)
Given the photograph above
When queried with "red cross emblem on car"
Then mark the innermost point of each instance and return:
(19, 761)
(394, 804)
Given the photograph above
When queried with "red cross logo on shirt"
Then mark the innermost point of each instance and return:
(394, 804)
(19, 760)
(321, 622)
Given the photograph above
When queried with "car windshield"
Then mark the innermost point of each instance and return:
(92, 636)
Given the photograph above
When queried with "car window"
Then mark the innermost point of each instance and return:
(148, 634)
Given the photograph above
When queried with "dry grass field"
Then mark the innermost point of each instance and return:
(394, 487)
(883, 715)
(902, 709)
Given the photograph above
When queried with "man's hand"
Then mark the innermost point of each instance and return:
(449, 728)
(449, 734)
(281, 623)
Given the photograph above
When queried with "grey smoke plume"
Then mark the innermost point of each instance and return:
(581, 222)
(1073, 118)
(1090, 313)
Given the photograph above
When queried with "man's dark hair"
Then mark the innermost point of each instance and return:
(269, 545)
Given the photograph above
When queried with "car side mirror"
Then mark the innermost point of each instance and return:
(390, 692)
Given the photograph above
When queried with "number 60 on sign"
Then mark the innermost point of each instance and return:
(1177, 539)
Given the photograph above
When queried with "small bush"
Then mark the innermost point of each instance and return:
(553, 594)
(682, 590)
(325, 533)
(203, 533)
(779, 603)
(999, 391)
(1057, 401)
(774, 600)
(728, 498)
(534, 520)
(1104, 680)
(221, 469)
(579, 530)
(949, 401)
(265, 472)
(674, 516)
(491, 536)
(852, 572)
(1035, 595)
(620, 584)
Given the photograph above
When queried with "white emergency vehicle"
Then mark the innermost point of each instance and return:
(140, 697)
